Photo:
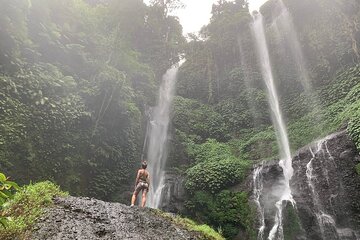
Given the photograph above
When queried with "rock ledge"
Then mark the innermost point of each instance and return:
(87, 219)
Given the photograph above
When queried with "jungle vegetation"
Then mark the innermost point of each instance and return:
(77, 77)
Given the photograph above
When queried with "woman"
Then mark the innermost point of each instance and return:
(142, 183)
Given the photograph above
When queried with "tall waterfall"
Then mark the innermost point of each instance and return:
(284, 24)
(157, 139)
(278, 122)
(286, 27)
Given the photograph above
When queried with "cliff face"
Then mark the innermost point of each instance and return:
(325, 187)
(174, 194)
(85, 218)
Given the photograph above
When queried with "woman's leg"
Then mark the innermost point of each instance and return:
(133, 198)
(143, 200)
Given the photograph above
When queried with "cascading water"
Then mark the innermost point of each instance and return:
(286, 26)
(157, 151)
(258, 188)
(325, 221)
(278, 122)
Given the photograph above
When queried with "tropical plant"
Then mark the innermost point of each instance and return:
(7, 190)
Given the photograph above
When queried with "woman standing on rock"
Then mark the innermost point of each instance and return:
(142, 183)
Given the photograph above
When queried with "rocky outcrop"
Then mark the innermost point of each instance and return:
(85, 219)
(173, 194)
(325, 187)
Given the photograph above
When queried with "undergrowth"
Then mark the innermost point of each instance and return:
(206, 232)
(26, 207)
(357, 168)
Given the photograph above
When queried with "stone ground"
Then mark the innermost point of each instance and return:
(87, 219)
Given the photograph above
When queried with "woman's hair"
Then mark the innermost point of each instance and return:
(144, 164)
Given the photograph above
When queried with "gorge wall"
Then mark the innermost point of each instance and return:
(325, 187)
(327, 204)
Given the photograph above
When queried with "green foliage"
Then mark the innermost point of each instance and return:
(258, 145)
(193, 117)
(357, 168)
(26, 206)
(237, 215)
(214, 176)
(40, 116)
(211, 150)
(339, 107)
(74, 80)
(7, 189)
(205, 231)
(216, 167)
(292, 225)
(247, 109)
(352, 113)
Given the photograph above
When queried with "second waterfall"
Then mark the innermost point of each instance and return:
(283, 192)
(156, 141)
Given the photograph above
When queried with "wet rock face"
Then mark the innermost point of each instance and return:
(271, 181)
(85, 218)
(326, 188)
(173, 194)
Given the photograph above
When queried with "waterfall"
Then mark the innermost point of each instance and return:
(285, 28)
(258, 188)
(278, 122)
(325, 221)
(157, 149)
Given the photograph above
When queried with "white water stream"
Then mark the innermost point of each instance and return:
(157, 137)
(325, 220)
(258, 188)
(286, 27)
(278, 122)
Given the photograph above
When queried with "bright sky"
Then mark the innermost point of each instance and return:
(197, 13)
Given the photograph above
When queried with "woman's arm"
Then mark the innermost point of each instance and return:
(137, 178)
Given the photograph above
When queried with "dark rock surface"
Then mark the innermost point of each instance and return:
(330, 208)
(173, 195)
(87, 219)
(325, 187)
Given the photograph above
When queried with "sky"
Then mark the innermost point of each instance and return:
(197, 13)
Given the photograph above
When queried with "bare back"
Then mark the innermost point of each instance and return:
(143, 175)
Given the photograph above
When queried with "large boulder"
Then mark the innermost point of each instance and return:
(85, 218)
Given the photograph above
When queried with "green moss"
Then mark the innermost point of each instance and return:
(26, 207)
(353, 114)
(259, 145)
(357, 168)
(292, 227)
(214, 176)
(237, 215)
(205, 232)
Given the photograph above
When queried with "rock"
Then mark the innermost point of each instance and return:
(325, 187)
(84, 219)
(173, 194)
(329, 205)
